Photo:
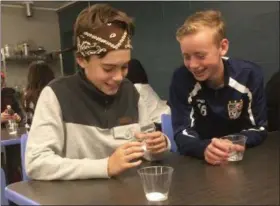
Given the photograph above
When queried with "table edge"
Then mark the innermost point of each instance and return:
(18, 198)
(10, 142)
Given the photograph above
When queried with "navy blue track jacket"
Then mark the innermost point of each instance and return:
(200, 113)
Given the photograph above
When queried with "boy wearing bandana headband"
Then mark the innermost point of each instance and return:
(88, 125)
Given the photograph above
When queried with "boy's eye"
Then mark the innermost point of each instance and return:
(108, 69)
(186, 57)
(201, 56)
(124, 67)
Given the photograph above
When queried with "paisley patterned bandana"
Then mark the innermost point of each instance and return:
(103, 39)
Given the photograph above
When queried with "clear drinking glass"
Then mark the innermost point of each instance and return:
(156, 181)
(12, 127)
(147, 129)
(236, 139)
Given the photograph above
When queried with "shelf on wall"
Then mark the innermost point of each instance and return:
(28, 59)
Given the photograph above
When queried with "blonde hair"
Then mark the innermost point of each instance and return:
(199, 20)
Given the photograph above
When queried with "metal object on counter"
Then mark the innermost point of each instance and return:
(25, 49)
(8, 50)
(2, 54)
(22, 49)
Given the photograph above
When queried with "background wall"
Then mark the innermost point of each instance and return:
(42, 29)
(252, 28)
(67, 19)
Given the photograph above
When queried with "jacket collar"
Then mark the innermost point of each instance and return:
(91, 90)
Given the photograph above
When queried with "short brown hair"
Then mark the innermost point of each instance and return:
(208, 18)
(99, 14)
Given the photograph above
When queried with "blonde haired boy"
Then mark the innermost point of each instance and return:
(212, 96)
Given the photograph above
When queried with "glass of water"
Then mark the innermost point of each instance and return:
(147, 129)
(156, 181)
(238, 139)
(143, 129)
(12, 127)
